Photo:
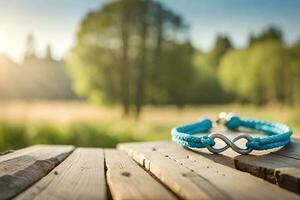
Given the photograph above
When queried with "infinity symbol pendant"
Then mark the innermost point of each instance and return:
(230, 143)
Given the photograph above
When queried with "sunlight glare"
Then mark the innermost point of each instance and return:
(3, 39)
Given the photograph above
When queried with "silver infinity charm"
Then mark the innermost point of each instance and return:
(230, 143)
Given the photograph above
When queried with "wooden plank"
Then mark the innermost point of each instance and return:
(20, 169)
(279, 166)
(127, 180)
(290, 151)
(18, 151)
(80, 176)
(6, 152)
(277, 169)
(192, 176)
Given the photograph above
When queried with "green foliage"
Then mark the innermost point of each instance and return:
(90, 136)
(292, 75)
(231, 67)
(222, 45)
(47, 134)
(174, 76)
(271, 33)
(132, 52)
(155, 124)
(262, 73)
(206, 87)
(136, 52)
(14, 136)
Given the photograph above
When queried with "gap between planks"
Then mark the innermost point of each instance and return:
(192, 176)
(127, 180)
(80, 176)
(35, 162)
(20, 169)
(280, 166)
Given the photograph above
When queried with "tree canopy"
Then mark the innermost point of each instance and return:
(266, 71)
(132, 52)
(137, 52)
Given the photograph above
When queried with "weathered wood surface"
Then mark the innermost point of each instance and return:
(20, 169)
(80, 176)
(127, 180)
(281, 167)
(165, 171)
(278, 166)
(193, 176)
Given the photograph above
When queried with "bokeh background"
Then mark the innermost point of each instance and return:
(100, 72)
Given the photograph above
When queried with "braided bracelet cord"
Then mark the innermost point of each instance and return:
(278, 134)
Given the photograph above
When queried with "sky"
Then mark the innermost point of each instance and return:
(56, 22)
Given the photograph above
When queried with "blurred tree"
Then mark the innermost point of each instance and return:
(142, 57)
(48, 53)
(175, 75)
(206, 86)
(266, 66)
(266, 71)
(233, 65)
(256, 74)
(30, 47)
(132, 52)
(222, 45)
(293, 74)
(270, 33)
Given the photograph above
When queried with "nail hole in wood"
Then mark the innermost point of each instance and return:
(126, 174)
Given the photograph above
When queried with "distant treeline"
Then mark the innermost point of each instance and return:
(137, 52)
(34, 78)
(266, 71)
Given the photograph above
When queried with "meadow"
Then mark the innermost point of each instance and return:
(81, 124)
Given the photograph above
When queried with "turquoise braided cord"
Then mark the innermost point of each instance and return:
(184, 134)
(278, 134)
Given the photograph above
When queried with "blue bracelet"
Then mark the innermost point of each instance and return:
(277, 134)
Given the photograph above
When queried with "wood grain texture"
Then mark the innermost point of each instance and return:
(20, 169)
(279, 166)
(290, 151)
(193, 176)
(127, 180)
(80, 176)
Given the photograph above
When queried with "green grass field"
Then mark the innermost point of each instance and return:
(81, 124)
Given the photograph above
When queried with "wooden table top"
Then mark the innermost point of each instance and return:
(148, 170)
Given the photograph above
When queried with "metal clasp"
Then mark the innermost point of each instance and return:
(224, 117)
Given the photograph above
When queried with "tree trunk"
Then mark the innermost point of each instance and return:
(158, 47)
(141, 78)
(159, 26)
(125, 72)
